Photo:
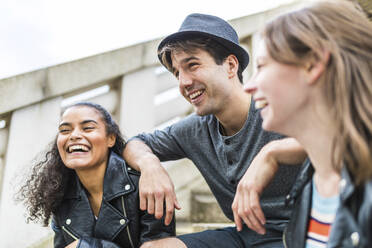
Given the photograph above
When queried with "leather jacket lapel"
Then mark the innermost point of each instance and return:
(116, 181)
(111, 223)
(116, 185)
(79, 218)
(300, 195)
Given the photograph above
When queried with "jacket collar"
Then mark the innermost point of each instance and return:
(304, 176)
(347, 186)
(116, 181)
(300, 194)
(76, 214)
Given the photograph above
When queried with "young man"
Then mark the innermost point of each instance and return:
(222, 138)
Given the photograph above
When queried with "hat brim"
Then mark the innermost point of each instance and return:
(235, 49)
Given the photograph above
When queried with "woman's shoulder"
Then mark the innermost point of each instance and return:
(120, 163)
(132, 172)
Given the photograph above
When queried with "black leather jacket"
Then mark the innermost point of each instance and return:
(352, 226)
(120, 222)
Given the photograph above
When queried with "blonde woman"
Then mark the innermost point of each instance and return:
(314, 83)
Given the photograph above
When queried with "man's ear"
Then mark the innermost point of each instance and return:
(233, 65)
(317, 67)
(111, 140)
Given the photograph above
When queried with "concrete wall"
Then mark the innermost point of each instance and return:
(30, 131)
(141, 96)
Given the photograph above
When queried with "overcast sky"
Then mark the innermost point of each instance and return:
(38, 33)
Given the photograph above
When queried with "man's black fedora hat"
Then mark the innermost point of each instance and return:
(196, 25)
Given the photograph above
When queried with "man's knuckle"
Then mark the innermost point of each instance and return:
(240, 212)
(158, 194)
(168, 190)
(255, 207)
(247, 211)
(146, 192)
(169, 210)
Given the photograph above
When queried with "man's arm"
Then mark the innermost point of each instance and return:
(246, 205)
(155, 185)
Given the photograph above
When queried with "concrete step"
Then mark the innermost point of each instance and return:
(185, 177)
(204, 206)
(188, 227)
(46, 242)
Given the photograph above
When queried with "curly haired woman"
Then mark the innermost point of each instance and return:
(86, 188)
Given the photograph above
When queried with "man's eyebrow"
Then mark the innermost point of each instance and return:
(184, 61)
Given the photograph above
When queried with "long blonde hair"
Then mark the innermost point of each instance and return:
(342, 29)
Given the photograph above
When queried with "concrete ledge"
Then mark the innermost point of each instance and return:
(36, 86)
(199, 227)
(247, 25)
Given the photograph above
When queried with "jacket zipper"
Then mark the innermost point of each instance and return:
(284, 242)
(69, 233)
(125, 214)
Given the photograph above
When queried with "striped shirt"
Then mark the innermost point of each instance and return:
(323, 211)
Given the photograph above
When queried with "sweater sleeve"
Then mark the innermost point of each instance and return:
(172, 142)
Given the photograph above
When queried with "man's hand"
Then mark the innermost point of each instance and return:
(246, 205)
(155, 185)
(155, 188)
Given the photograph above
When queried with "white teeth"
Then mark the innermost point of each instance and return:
(259, 104)
(196, 94)
(78, 147)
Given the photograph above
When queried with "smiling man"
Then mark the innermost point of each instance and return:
(222, 139)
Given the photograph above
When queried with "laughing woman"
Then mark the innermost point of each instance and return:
(314, 83)
(87, 188)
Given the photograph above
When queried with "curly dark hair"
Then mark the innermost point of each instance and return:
(44, 188)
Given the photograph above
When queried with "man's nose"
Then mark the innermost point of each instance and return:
(184, 80)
